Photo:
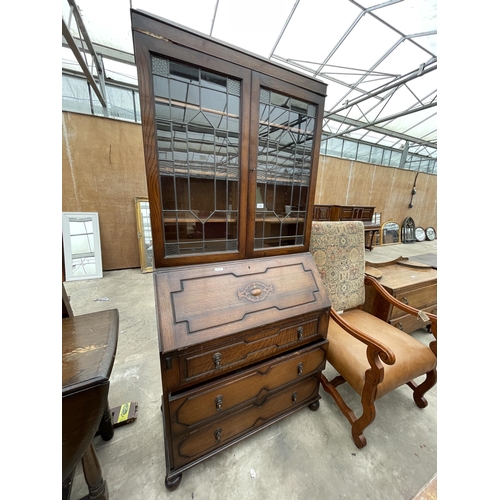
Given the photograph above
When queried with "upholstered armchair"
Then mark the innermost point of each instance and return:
(371, 355)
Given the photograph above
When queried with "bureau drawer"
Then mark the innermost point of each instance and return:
(246, 350)
(235, 425)
(409, 323)
(254, 385)
(420, 298)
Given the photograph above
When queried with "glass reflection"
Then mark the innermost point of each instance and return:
(284, 157)
(198, 133)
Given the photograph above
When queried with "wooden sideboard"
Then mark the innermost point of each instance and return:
(415, 286)
(350, 212)
(322, 212)
(242, 345)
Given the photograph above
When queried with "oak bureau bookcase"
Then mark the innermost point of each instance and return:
(231, 145)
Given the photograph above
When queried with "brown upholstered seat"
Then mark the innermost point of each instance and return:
(348, 354)
(371, 355)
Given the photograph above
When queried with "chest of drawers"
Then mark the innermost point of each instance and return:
(415, 286)
(242, 345)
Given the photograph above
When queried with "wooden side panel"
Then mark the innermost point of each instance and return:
(347, 182)
(102, 171)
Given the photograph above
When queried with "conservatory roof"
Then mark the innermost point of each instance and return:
(379, 59)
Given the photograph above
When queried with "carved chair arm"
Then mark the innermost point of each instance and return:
(369, 280)
(384, 352)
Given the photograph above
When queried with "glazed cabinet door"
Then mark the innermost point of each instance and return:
(231, 145)
(195, 122)
(198, 121)
(285, 141)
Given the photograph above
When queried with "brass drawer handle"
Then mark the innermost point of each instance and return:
(404, 300)
(300, 368)
(294, 397)
(217, 357)
(218, 403)
(300, 332)
(218, 434)
(399, 325)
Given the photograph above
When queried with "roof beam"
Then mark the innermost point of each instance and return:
(384, 88)
(284, 28)
(213, 19)
(82, 63)
(357, 125)
(394, 29)
(100, 92)
(348, 31)
(107, 52)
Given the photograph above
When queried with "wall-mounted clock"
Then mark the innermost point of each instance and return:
(420, 234)
(430, 233)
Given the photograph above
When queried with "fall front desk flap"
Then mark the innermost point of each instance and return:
(196, 304)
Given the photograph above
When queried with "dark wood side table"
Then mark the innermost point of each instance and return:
(89, 344)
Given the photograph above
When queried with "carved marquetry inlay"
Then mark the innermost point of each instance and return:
(255, 291)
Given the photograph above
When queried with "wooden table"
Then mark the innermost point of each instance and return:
(410, 282)
(89, 345)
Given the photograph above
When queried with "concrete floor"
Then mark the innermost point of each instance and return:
(309, 455)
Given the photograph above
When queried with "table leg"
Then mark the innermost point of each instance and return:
(106, 428)
(67, 485)
(370, 237)
(98, 489)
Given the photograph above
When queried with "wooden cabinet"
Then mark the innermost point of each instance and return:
(231, 144)
(322, 212)
(343, 212)
(352, 212)
(415, 286)
(242, 345)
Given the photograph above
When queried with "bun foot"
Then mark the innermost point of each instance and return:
(173, 482)
(314, 406)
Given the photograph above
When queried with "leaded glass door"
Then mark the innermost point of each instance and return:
(197, 115)
(283, 168)
(286, 132)
(231, 144)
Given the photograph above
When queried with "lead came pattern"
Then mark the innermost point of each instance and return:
(198, 134)
(286, 131)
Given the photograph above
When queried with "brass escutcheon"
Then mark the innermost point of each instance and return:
(217, 357)
(218, 403)
(218, 434)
